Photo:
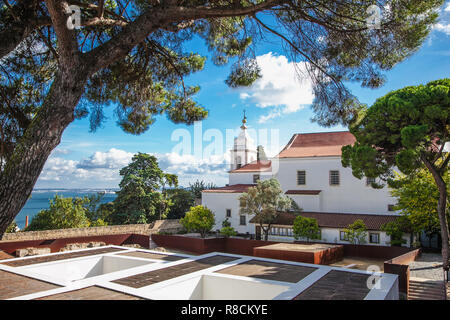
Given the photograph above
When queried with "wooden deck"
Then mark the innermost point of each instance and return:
(91, 293)
(269, 270)
(148, 278)
(337, 285)
(13, 285)
(57, 257)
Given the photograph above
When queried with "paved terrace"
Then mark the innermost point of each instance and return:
(121, 273)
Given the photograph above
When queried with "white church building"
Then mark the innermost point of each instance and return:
(309, 171)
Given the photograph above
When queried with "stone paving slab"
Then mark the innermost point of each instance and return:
(13, 285)
(269, 270)
(155, 276)
(337, 285)
(57, 257)
(91, 293)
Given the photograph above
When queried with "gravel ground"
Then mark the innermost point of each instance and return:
(428, 266)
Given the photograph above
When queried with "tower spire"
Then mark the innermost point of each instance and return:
(244, 121)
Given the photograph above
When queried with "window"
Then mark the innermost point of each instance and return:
(301, 177)
(343, 236)
(369, 181)
(374, 237)
(391, 207)
(256, 178)
(242, 221)
(228, 213)
(334, 178)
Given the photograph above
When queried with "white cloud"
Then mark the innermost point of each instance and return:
(280, 87)
(101, 169)
(444, 20)
(445, 28)
(113, 159)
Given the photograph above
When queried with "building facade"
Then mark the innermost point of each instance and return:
(309, 171)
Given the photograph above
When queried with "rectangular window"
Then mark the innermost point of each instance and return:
(301, 177)
(369, 181)
(334, 178)
(228, 213)
(343, 236)
(391, 207)
(256, 178)
(374, 237)
(242, 221)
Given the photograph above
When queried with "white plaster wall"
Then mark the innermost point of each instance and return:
(333, 235)
(227, 288)
(351, 196)
(308, 202)
(218, 203)
(247, 177)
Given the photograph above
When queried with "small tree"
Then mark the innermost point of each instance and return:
(265, 201)
(395, 231)
(356, 232)
(63, 213)
(417, 198)
(227, 230)
(139, 199)
(198, 186)
(182, 200)
(198, 219)
(306, 228)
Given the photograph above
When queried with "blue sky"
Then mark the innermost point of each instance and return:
(92, 160)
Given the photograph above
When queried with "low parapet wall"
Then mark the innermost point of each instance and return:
(400, 266)
(77, 232)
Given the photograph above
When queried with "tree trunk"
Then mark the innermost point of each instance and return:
(441, 209)
(42, 136)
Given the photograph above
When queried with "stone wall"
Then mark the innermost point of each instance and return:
(78, 232)
(166, 226)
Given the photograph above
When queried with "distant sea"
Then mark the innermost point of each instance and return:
(40, 199)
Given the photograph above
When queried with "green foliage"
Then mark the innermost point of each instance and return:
(395, 229)
(417, 198)
(12, 228)
(198, 186)
(402, 129)
(139, 199)
(148, 81)
(265, 201)
(306, 228)
(226, 223)
(181, 201)
(356, 233)
(198, 219)
(63, 213)
(227, 230)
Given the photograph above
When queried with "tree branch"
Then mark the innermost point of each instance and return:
(160, 18)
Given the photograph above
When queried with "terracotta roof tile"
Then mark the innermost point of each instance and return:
(337, 220)
(323, 144)
(255, 166)
(235, 188)
(304, 192)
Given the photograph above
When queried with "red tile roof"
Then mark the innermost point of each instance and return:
(337, 220)
(323, 144)
(235, 188)
(255, 166)
(304, 192)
